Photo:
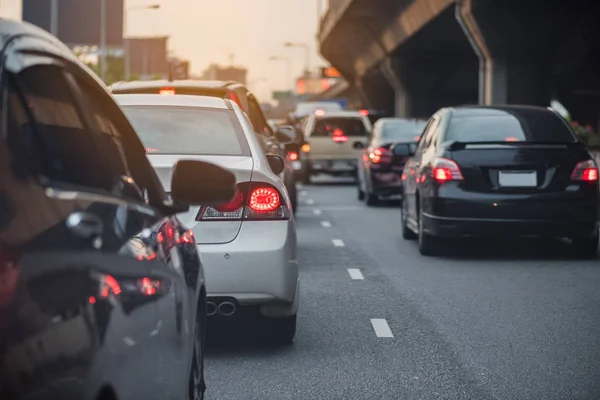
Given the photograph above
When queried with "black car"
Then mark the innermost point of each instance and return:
(273, 142)
(102, 292)
(503, 172)
(381, 162)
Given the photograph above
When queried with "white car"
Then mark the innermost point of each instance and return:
(248, 246)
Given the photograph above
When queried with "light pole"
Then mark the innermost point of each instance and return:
(127, 55)
(288, 72)
(306, 54)
(103, 40)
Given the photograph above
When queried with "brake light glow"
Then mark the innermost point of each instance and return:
(148, 286)
(585, 171)
(254, 201)
(166, 91)
(264, 199)
(364, 113)
(319, 113)
(233, 97)
(380, 155)
(417, 138)
(292, 156)
(150, 150)
(445, 170)
(110, 285)
(511, 139)
(306, 148)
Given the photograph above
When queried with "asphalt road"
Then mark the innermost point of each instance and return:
(486, 321)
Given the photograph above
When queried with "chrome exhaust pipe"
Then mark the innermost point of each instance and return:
(211, 308)
(226, 308)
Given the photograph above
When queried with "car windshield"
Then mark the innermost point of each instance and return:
(344, 125)
(188, 130)
(524, 126)
(402, 129)
(307, 108)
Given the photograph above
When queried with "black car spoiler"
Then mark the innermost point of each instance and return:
(457, 145)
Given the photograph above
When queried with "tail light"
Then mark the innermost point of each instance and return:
(364, 113)
(110, 286)
(233, 97)
(167, 91)
(380, 155)
(306, 148)
(292, 156)
(254, 201)
(585, 171)
(340, 139)
(445, 170)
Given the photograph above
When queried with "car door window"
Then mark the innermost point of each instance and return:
(56, 130)
(423, 142)
(256, 117)
(429, 135)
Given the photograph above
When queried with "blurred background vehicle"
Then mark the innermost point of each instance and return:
(269, 140)
(331, 136)
(381, 163)
(500, 172)
(304, 109)
(248, 245)
(94, 264)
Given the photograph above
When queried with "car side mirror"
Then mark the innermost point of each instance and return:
(285, 134)
(276, 163)
(358, 145)
(201, 183)
(403, 149)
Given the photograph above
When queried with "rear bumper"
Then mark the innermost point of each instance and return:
(507, 228)
(332, 166)
(386, 183)
(258, 268)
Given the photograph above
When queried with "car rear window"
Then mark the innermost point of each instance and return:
(524, 125)
(188, 130)
(325, 127)
(402, 130)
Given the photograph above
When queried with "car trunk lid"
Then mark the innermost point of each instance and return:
(206, 232)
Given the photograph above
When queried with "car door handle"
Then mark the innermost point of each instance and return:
(84, 224)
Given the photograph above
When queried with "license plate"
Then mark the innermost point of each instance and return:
(343, 165)
(296, 165)
(517, 179)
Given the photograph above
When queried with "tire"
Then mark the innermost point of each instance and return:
(196, 383)
(428, 245)
(294, 198)
(407, 233)
(281, 330)
(585, 248)
(371, 199)
(360, 195)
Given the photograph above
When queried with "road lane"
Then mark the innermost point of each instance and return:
(524, 322)
(336, 354)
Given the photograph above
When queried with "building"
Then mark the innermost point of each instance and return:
(148, 56)
(231, 73)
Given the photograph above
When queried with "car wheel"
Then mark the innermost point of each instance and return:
(294, 198)
(407, 233)
(281, 330)
(428, 245)
(585, 247)
(371, 199)
(360, 195)
(197, 386)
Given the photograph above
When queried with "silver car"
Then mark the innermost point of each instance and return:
(248, 246)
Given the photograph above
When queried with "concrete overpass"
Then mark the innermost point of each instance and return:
(412, 57)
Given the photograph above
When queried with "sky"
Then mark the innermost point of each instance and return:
(209, 31)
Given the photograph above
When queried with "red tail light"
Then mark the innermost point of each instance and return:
(254, 201)
(168, 91)
(233, 97)
(292, 156)
(364, 112)
(445, 170)
(340, 139)
(380, 155)
(585, 171)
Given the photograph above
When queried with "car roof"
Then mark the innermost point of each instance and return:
(340, 114)
(389, 119)
(171, 101)
(178, 83)
(490, 111)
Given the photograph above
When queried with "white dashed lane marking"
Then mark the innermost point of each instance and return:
(326, 224)
(355, 274)
(317, 212)
(381, 328)
(338, 243)
(310, 201)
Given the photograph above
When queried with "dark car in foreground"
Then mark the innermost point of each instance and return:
(102, 292)
(273, 142)
(500, 172)
(382, 160)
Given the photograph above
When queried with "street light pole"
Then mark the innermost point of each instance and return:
(103, 40)
(306, 55)
(54, 18)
